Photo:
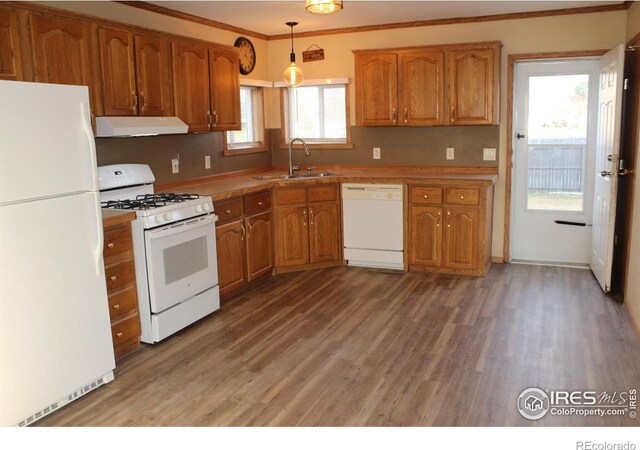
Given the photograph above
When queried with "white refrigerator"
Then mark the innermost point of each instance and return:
(55, 335)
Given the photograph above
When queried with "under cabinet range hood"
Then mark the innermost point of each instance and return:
(139, 126)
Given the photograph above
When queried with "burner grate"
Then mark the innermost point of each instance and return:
(148, 201)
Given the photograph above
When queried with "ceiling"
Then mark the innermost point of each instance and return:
(269, 17)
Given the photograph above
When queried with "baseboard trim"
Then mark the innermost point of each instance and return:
(550, 263)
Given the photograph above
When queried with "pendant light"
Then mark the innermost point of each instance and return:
(293, 75)
(324, 6)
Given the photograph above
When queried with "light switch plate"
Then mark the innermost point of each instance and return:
(376, 152)
(489, 154)
(207, 162)
(175, 165)
(450, 153)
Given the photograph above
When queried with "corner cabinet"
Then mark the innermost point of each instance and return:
(206, 86)
(450, 227)
(424, 86)
(244, 238)
(308, 233)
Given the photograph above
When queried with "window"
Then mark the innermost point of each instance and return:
(318, 114)
(250, 138)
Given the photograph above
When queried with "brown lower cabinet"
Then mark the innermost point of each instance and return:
(244, 239)
(121, 288)
(450, 228)
(308, 226)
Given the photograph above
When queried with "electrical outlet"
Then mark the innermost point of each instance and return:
(175, 164)
(207, 162)
(450, 153)
(376, 152)
(489, 154)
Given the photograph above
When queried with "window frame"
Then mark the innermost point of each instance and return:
(261, 146)
(284, 121)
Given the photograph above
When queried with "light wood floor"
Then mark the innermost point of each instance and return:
(348, 346)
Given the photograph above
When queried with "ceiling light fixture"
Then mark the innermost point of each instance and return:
(292, 75)
(324, 6)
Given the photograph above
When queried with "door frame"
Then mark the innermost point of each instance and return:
(511, 64)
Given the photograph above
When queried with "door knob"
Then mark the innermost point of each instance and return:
(605, 173)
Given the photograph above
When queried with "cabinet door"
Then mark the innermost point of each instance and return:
(259, 245)
(10, 55)
(376, 89)
(117, 72)
(324, 232)
(153, 76)
(225, 89)
(292, 236)
(426, 236)
(421, 88)
(461, 238)
(230, 246)
(191, 85)
(471, 87)
(61, 52)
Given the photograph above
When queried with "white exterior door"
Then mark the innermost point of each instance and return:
(555, 120)
(606, 170)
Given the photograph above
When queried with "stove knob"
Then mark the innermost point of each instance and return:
(159, 218)
(206, 206)
(168, 216)
(198, 208)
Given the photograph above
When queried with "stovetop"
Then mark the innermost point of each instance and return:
(149, 201)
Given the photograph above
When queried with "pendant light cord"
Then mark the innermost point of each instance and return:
(292, 57)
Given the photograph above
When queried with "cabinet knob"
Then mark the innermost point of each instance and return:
(426, 196)
(120, 334)
(228, 211)
(462, 197)
(116, 306)
(110, 245)
(114, 278)
(259, 203)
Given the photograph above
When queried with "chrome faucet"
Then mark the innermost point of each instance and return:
(306, 150)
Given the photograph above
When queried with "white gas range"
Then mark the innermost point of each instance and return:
(174, 246)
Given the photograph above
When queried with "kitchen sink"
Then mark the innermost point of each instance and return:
(297, 176)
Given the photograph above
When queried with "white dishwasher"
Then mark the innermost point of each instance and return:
(372, 221)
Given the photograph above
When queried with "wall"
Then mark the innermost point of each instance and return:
(632, 296)
(545, 34)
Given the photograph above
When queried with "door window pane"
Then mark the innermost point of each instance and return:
(556, 142)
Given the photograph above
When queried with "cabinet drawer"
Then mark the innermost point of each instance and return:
(463, 196)
(324, 193)
(117, 240)
(426, 195)
(256, 203)
(290, 196)
(125, 330)
(228, 210)
(119, 274)
(123, 303)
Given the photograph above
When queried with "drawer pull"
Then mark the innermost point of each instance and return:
(114, 278)
(116, 306)
(120, 334)
(110, 245)
(426, 196)
(228, 211)
(259, 203)
(462, 197)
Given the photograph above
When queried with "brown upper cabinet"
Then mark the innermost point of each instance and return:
(206, 86)
(62, 51)
(444, 85)
(134, 73)
(10, 54)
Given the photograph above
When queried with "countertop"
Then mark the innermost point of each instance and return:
(113, 217)
(224, 188)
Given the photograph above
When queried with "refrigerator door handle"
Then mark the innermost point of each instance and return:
(100, 238)
(88, 131)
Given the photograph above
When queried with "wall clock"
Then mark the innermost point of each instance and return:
(247, 55)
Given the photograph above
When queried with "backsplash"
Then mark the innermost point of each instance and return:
(157, 152)
(403, 146)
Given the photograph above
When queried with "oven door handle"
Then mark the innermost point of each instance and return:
(186, 226)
